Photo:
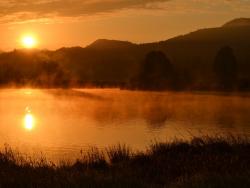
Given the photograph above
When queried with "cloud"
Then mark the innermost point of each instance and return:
(21, 10)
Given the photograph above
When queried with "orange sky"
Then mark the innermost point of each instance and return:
(57, 23)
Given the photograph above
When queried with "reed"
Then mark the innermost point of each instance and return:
(219, 161)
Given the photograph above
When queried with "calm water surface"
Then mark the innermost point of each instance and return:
(59, 123)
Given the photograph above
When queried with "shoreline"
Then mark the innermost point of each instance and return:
(201, 162)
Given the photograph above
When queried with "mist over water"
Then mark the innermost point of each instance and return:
(59, 123)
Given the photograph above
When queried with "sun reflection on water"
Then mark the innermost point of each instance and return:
(27, 92)
(29, 120)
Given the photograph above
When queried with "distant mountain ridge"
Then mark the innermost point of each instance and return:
(238, 22)
(116, 62)
(105, 43)
(192, 53)
(228, 33)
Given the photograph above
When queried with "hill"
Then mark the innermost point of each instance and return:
(110, 44)
(114, 63)
(238, 22)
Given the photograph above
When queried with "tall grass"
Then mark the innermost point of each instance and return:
(119, 153)
(221, 161)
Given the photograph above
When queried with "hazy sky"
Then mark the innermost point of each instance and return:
(57, 23)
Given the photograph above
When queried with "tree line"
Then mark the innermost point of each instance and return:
(154, 72)
(158, 73)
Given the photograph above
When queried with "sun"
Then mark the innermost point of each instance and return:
(29, 41)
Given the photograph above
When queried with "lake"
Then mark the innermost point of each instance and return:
(60, 123)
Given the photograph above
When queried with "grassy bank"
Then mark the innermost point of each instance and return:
(201, 162)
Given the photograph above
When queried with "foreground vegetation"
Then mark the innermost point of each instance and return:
(201, 162)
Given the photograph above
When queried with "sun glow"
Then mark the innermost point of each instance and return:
(29, 41)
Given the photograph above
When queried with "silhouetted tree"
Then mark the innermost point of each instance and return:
(226, 69)
(156, 72)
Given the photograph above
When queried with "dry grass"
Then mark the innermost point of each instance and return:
(221, 161)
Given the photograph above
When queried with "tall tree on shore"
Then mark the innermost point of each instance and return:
(226, 68)
(156, 72)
